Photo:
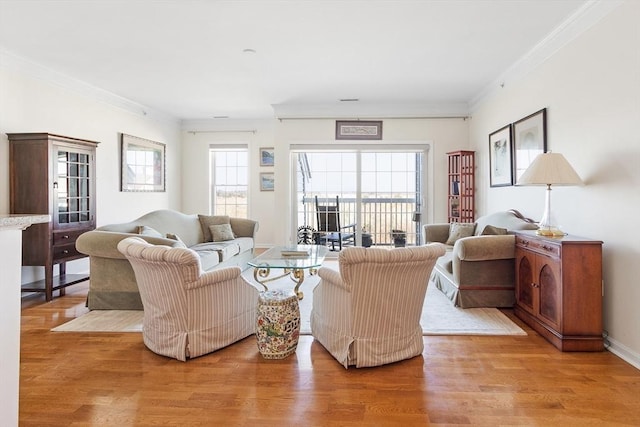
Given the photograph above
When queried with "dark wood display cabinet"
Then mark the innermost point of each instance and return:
(559, 289)
(460, 196)
(54, 175)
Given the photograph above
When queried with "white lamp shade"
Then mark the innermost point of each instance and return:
(550, 168)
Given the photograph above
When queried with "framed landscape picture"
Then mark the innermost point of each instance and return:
(267, 156)
(267, 181)
(359, 129)
(530, 139)
(501, 171)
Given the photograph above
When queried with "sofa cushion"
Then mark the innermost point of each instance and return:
(458, 230)
(491, 230)
(244, 244)
(221, 232)
(228, 249)
(224, 250)
(209, 255)
(208, 220)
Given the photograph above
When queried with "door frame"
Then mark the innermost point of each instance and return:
(427, 183)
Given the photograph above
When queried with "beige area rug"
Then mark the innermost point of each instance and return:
(104, 321)
(439, 316)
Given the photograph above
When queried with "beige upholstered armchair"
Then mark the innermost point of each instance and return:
(478, 270)
(189, 312)
(368, 313)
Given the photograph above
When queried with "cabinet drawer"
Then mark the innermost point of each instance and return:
(539, 245)
(66, 237)
(61, 252)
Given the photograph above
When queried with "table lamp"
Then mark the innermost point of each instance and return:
(549, 169)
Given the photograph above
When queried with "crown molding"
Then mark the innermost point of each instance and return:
(583, 19)
(13, 62)
(358, 110)
(226, 125)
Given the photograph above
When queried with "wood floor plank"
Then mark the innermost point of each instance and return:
(106, 379)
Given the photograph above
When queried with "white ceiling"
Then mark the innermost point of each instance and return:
(185, 58)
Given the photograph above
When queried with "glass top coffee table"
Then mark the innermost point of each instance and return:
(293, 260)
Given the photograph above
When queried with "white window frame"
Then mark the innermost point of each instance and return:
(418, 146)
(217, 148)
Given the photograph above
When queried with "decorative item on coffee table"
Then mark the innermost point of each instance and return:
(277, 323)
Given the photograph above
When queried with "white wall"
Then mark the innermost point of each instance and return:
(591, 89)
(197, 137)
(29, 104)
(272, 209)
(10, 261)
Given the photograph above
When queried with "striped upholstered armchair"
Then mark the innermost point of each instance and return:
(368, 313)
(189, 312)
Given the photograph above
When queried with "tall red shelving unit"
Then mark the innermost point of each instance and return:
(460, 199)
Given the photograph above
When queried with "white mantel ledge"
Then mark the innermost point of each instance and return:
(21, 221)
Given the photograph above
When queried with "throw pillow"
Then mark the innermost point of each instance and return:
(174, 237)
(458, 230)
(491, 230)
(221, 232)
(145, 230)
(206, 221)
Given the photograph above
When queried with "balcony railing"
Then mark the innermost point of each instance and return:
(378, 217)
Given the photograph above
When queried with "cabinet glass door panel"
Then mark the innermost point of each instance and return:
(72, 195)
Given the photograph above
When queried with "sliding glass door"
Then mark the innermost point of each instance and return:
(379, 190)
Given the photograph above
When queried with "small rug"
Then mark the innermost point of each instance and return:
(439, 316)
(104, 321)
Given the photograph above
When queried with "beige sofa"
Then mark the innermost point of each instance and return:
(112, 284)
(479, 270)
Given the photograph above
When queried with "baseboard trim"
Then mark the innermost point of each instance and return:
(623, 352)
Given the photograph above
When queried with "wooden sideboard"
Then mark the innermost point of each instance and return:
(559, 289)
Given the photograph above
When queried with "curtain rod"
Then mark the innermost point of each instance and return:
(368, 119)
(193, 132)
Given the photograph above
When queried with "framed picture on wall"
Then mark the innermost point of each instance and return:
(359, 129)
(266, 181)
(501, 170)
(142, 166)
(267, 156)
(529, 140)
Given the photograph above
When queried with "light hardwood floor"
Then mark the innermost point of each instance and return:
(111, 379)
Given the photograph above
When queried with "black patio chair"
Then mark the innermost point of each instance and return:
(330, 230)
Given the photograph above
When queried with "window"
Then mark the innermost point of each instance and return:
(379, 190)
(229, 181)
